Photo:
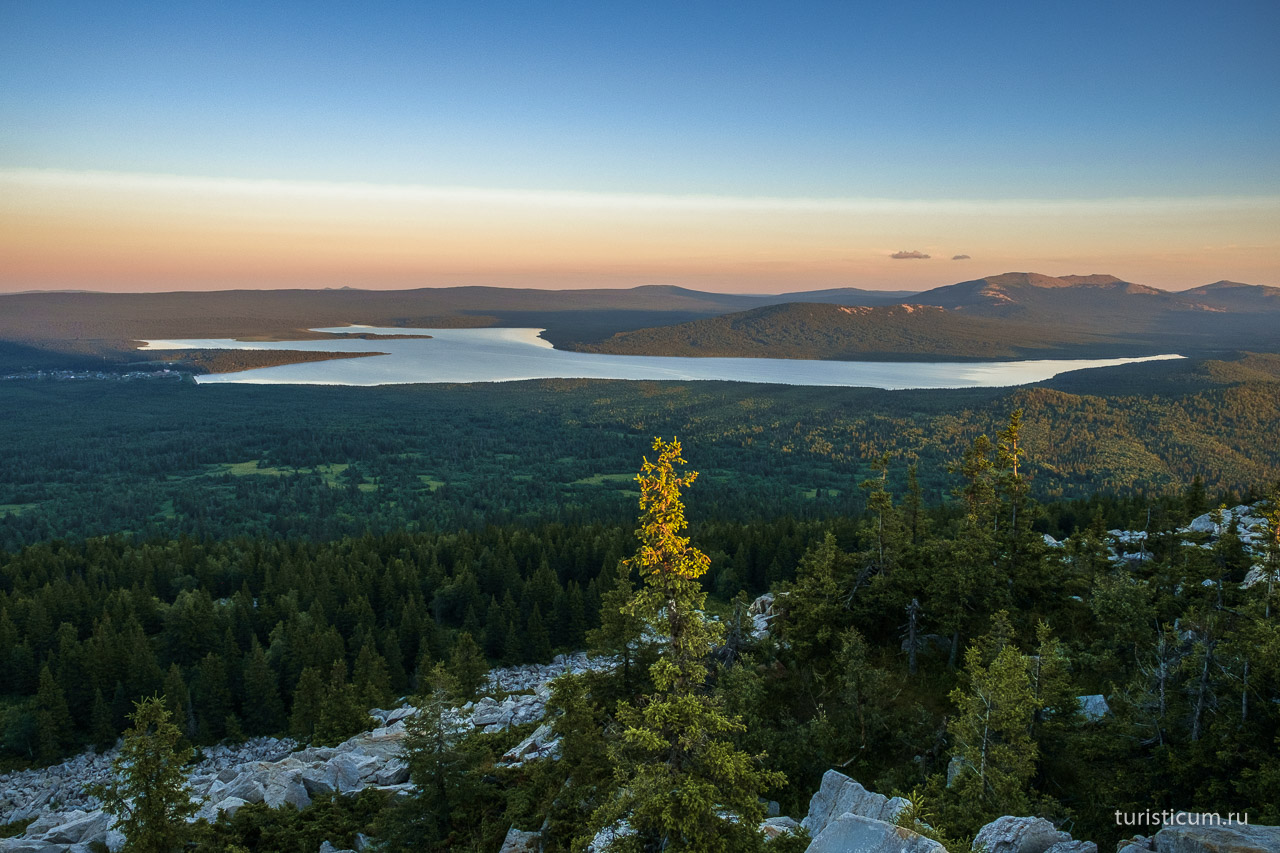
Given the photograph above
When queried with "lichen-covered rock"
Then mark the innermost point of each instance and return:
(1018, 835)
(518, 841)
(605, 838)
(838, 795)
(1225, 838)
(851, 832)
(1073, 847)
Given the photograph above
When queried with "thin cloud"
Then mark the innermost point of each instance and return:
(912, 255)
(414, 193)
(960, 257)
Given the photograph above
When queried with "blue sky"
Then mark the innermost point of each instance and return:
(926, 102)
(903, 100)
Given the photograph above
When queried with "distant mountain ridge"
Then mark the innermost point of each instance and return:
(1011, 315)
(95, 325)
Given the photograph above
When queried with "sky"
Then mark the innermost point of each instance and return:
(745, 146)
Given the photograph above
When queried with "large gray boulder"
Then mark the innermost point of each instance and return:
(1018, 835)
(838, 795)
(851, 833)
(519, 841)
(245, 787)
(1226, 838)
(80, 828)
(287, 788)
(228, 806)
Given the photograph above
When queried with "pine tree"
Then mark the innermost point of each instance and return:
(149, 795)
(682, 784)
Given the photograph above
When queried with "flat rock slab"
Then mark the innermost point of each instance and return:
(851, 833)
(1235, 838)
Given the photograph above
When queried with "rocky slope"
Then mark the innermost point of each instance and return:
(276, 771)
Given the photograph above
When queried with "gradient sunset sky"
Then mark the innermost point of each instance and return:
(734, 146)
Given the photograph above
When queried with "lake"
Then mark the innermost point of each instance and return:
(508, 355)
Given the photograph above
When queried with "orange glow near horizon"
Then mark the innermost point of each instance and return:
(102, 231)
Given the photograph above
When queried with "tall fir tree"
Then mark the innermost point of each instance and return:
(682, 785)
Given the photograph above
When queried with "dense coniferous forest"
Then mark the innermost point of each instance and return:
(160, 458)
(267, 565)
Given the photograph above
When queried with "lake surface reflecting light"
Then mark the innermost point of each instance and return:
(508, 355)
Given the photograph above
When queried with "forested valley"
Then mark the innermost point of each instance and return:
(266, 573)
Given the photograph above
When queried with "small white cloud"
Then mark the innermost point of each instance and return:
(912, 255)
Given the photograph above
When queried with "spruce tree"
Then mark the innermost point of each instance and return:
(991, 732)
(148, 793)
(307, 697)
(372, 682)
(682, 784)
(263, 710)
(537, 642)
(178, 700)
(467, 666)
(101, 727)
(439, 768)
(620, 632)
(341, 714)
(53, 719)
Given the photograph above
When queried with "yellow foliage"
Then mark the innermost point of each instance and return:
(662, 549)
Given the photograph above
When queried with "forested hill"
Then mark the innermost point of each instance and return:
(86, 459)
(1013, 315)
(816, 331)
